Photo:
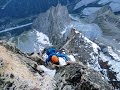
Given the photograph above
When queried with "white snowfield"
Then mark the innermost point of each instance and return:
(46, 70)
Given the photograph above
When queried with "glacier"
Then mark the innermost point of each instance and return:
(90, 10)
(83, 2)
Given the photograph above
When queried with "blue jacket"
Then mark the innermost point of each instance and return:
(52, 51)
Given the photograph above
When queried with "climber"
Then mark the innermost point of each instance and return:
(53, 56)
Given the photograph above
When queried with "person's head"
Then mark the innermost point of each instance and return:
(55, 59)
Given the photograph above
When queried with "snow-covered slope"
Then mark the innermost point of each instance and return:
(32, 41)
(104, 60)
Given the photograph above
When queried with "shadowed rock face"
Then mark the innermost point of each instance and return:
(79, 77)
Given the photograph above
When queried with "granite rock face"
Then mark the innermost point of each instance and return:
(52, 23)
(79, 77)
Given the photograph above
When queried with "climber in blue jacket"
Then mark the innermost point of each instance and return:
(53, 56)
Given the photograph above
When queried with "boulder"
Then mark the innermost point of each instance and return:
(79, 77)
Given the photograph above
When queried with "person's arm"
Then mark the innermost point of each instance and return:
(65, 56)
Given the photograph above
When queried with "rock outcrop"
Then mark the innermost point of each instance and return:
(17, 72)
(82, 48)
(94, 55)
(52, 23)
(79, 77)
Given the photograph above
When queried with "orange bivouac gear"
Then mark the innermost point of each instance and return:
(54, 59)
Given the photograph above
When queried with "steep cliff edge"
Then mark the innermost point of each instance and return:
(17, 71)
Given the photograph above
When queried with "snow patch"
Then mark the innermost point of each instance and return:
(113, 54)
(47, 71)
(77, 32)
(63, 62)
(63, 32)
(118, 51)
(72, 58)
(94, 45)
(33, 41)
(115, 66)
(42, 38)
